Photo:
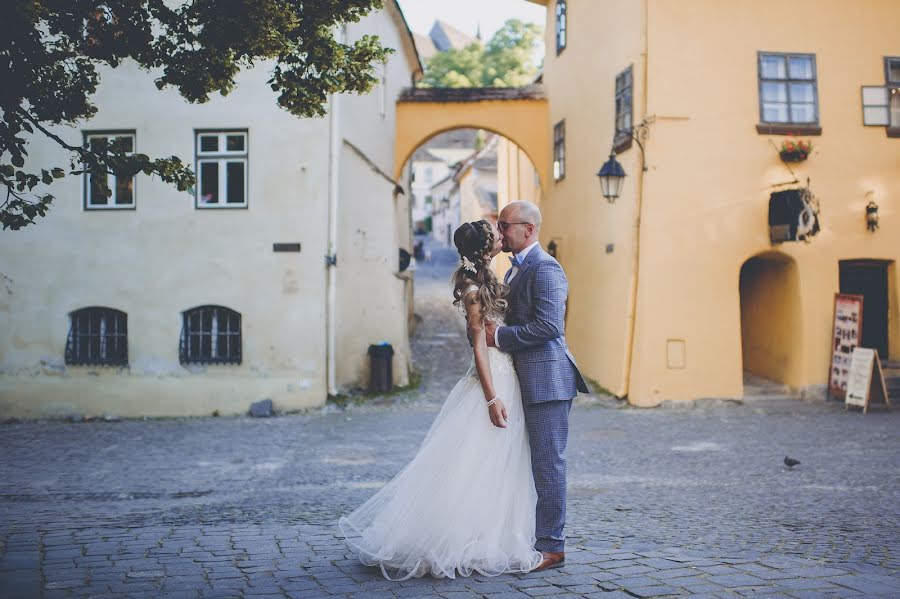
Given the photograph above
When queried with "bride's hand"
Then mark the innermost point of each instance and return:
(497, 413)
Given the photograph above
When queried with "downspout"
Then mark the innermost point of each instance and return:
(334, 152)
(639, 199)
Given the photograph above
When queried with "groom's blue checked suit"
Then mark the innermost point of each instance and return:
(549, 380)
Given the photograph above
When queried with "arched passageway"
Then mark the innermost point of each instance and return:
(518, 114)
(771, 327)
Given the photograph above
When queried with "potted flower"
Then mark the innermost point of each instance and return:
(795, 150)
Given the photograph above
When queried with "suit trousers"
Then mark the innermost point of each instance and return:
(547, 423)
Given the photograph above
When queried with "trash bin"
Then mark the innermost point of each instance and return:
(381, 372)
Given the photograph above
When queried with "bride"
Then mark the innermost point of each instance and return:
(466, 502)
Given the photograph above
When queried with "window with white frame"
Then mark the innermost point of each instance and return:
(787, 89)
(881, 103)
(221, 167)
(103, 190)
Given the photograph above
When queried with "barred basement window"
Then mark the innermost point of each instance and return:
(97, 336)
(210, 335)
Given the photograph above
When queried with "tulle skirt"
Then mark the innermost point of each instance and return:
(466, 501)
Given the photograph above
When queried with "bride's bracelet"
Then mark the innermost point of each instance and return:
(493, 401)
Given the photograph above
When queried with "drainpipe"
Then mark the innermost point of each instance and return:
(334, 149)
(639, 197)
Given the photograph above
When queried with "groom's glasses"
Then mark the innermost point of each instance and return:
(503, 225)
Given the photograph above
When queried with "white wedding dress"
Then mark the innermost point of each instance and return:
(466, 501)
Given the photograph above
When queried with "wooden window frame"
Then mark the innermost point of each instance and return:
(622, 138)
(111, 178)
(113, 330)
(559, 150)
(788, 127)
(562, 26)
(893, 129)
(222, 157)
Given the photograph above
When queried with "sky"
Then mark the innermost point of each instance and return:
(466, 15)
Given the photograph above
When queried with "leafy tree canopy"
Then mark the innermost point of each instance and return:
(50, 51)
(506, 61)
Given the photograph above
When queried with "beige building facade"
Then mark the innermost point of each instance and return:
(269, 282)
(677, 290)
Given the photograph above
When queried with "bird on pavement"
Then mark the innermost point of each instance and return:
(790, 462)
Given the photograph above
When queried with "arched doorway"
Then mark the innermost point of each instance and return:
(517, 114)
(771, 326)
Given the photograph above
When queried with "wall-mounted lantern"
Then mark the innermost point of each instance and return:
(611, 174)
(872, 215)
(611, 177)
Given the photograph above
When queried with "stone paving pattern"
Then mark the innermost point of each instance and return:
(689, 501)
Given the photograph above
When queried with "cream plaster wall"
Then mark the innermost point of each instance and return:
(166, 256)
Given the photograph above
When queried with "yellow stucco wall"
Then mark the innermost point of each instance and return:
(705, 195)
(580, 85)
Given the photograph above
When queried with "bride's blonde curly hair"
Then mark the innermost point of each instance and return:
(474, 241)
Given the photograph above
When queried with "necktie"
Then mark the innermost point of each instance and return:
(513, 261)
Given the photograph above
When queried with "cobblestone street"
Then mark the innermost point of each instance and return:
(675, 501)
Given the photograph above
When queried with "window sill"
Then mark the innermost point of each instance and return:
(622, 144)
(893, 131)
(787, 129)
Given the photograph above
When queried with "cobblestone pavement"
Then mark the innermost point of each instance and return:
(666, 502)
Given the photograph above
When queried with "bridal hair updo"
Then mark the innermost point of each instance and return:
(474, 242)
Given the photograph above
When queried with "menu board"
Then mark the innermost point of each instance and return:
(866, 383)
(846, 333)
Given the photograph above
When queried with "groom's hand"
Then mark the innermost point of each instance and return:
(490, 327)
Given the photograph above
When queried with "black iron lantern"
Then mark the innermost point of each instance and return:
(611, 176)
(872, 215)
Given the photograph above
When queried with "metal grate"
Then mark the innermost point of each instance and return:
(97, 336)
(210, 335)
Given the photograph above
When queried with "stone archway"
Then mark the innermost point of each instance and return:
(518, 114)
(771, 324)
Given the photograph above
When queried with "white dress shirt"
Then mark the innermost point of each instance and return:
(520, 258)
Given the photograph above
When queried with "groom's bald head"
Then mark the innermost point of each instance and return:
(519, 224)
(525, 211)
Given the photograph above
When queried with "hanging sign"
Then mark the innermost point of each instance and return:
(865, 384)
(846, 334)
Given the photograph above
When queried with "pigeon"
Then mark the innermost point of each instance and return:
(790, 462)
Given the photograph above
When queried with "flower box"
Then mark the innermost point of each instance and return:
(795, 150)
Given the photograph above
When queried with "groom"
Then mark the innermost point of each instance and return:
(547, 373)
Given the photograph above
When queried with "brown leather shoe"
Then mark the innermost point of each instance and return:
(551, 560)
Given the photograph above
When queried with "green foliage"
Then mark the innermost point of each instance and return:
(506, 61)
(50, 51)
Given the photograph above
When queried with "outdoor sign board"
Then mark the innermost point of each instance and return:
(846, 333)
(865, 384)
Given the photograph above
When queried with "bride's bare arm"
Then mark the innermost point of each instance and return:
(482, 362)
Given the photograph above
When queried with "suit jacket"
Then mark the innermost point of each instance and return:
(534, 331)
